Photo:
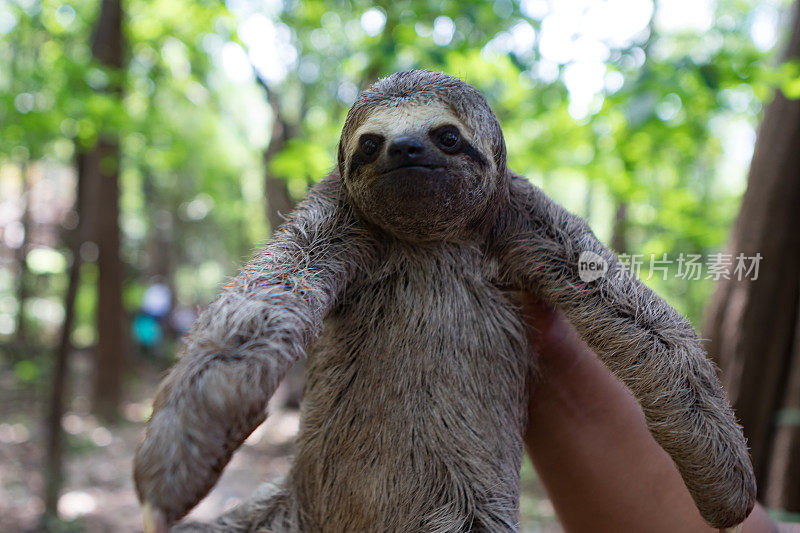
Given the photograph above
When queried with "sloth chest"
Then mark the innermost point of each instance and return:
(412, 337)
(414, 391)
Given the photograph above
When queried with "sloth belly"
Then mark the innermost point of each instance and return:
(413, 410)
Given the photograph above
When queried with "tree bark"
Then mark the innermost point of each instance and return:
(102, 169)
(22, 257)
(619, 234)
(279, 201)
(53, 474)
(752, 324)
(109, 354)
(54, 434)
(783, 490)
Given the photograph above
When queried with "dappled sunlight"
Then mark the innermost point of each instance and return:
(13, 433)
(76, 503)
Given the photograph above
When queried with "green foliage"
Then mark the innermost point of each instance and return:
(662, 133)
(302, 160)
(26, 371)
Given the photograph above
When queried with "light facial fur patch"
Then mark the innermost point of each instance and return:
(404, 118)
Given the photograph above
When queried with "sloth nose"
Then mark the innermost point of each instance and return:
(405, 149)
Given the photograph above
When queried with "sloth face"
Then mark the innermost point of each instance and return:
(415, 170)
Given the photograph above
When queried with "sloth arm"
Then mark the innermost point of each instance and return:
(640, 339)
(588, 440)
(240, 348)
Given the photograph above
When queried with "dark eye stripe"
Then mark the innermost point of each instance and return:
(473, 153)
(464, 147)
(359, 158)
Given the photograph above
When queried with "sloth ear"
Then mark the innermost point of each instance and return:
(641, 339)
(239, 350)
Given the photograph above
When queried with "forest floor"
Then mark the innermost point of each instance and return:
(98, 496)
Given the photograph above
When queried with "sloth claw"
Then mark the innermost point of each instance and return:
(154, 520)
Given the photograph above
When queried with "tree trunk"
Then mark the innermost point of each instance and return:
(54, 434)
(102, 169)
(752, 323)
(279, 201)
(109, 354)
(22, 257)
(619, 234)
(783, 490)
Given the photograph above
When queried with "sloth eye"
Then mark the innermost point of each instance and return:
(369, 144)
(448, 138)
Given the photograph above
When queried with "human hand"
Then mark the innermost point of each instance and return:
(588, 440)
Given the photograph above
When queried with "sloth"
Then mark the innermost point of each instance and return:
(399, 277)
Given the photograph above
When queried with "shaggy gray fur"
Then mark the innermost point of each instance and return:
(415, 400)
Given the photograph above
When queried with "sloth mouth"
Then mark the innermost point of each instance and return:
(413, 167)
(412, 183)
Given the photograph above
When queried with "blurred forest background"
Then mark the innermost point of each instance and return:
(147, 146)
